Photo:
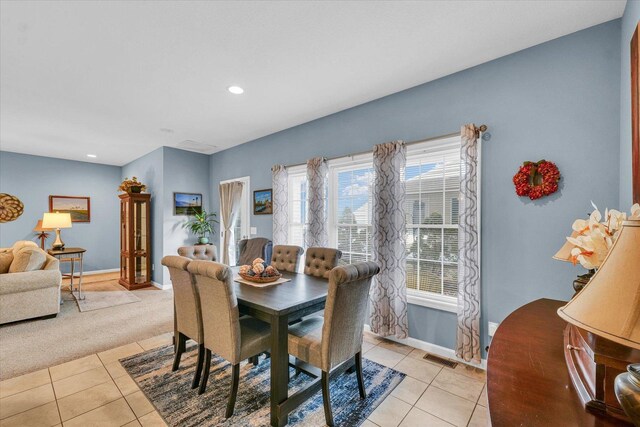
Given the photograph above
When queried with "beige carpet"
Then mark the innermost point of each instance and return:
(109, 293)
(35, 344)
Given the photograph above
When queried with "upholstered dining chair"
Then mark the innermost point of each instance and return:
(328, 343)
(202, 252)
(318, 262)
(250, 249)
(286, 258)
(186, 312)
(225, 333)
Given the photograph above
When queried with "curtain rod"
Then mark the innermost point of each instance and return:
(479, 129)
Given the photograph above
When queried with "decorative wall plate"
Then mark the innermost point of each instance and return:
(10, 207)
(536, 179)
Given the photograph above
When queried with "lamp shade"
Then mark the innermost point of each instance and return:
(56, 220)
(609, 306)
(564, 253)
(39, 228)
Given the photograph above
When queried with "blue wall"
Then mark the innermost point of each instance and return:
(629, 22)
(558, 101)
(33, 179)
(184, 172)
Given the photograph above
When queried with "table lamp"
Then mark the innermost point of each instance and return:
(609, 306)
(57, 220)
(564, 254)
(42, 233)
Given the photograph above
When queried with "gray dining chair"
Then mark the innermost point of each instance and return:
(201, 252)
(286, 257)
(225, 333)
(256, 247)
(327, 343)
(318, 262)
(186, 312)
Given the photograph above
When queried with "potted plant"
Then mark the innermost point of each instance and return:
(132, 186)
(201, 225)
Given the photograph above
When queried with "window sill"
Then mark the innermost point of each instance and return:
(438, 303)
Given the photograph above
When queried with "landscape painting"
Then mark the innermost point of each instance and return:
(79, 207)
(187, 203)
(262, 202)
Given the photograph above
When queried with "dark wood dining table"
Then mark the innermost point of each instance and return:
(279, 305)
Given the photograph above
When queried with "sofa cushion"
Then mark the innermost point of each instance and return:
(28, 259)
(5, 261)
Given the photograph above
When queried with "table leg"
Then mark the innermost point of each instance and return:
(73, 264)
(279, 368)
(80, 277)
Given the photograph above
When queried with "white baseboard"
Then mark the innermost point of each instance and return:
(109, 270)
(438, 350)
(160, 286)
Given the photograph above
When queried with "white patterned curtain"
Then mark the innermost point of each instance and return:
(389, 288)
(230, 199)
(316, 234)
(280, 184)
(468, 332)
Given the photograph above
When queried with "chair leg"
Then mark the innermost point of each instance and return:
(326, 399)
(196, 377)
(363, 391)
(205, 374)
(180, 348)
(235, 378)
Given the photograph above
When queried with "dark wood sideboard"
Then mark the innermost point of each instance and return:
(528, 383)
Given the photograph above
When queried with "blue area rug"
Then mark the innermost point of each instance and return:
(179, 405)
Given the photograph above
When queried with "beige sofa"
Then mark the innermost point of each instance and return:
(30, 282)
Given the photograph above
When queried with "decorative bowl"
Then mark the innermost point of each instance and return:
(260, 279)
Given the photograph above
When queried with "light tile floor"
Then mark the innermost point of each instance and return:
(96, 390)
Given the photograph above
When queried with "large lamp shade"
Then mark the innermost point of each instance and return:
(609, 306)
(56, 220)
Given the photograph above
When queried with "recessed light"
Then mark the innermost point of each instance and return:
(93, 156)
(236, 90)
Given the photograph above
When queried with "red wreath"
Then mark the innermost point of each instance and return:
(536, 179)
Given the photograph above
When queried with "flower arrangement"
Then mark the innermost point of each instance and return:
(260, 271)
(132, 186)
(536, 180)
(595, 238)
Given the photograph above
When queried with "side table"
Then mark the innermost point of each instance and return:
(72, 255)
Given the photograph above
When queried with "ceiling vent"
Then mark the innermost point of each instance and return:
(198, 147)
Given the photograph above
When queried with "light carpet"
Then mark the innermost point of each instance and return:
(180, 405)
(35, 344)
(109, 293)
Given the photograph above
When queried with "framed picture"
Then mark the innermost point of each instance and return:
(262, 202)
(187, 203)
(78, 206)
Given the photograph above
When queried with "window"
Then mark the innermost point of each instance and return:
(349, 208)
(432, 178)
(297, 205)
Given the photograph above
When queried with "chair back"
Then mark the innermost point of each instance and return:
(250, 249)
(318, 262)
(286, 258)
(186, 304)
(201, 252)
(345, 312)
(220, 314)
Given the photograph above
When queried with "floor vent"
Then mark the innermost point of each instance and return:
(441, 360)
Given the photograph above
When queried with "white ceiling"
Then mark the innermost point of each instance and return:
(104, 77)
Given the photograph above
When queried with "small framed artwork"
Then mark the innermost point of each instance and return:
(187, 203)
(262, 202)
(78, 206)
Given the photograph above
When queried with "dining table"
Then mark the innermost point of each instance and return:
(279, 305)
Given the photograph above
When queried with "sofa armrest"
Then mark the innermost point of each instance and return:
(12, 283)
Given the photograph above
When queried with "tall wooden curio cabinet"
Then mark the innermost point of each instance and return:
(135, 240)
